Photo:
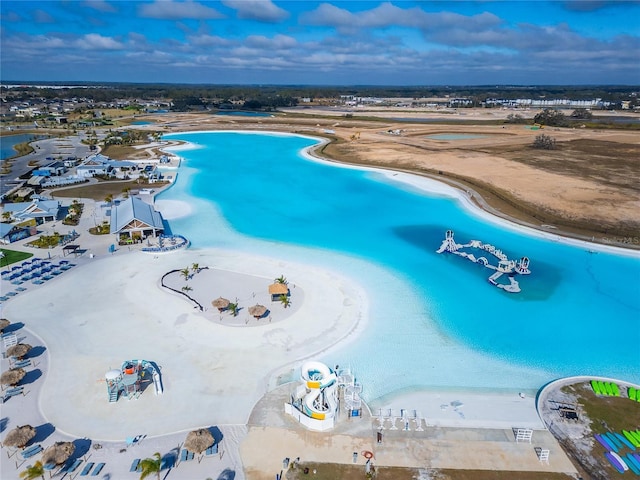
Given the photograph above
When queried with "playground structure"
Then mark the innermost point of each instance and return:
(505, 266)
(316, 403)
(132, 379)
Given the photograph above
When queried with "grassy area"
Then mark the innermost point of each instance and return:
(332, 471)
(100, 191)
(12, 256)
(607, 414)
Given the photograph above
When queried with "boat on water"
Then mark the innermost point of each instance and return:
(504, 267)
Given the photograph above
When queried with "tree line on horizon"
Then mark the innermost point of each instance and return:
(269, 97)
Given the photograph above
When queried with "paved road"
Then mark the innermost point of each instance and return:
(55, 148)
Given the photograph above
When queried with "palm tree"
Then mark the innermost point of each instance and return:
(282, 280)
(195, 267)
(285, 300)
(186, 273)
(33, 471)
(233, 308)
(149, 466)
(186, 288)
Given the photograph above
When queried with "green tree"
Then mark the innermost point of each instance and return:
(149, 466)
(195, 267)
(234, 308)
(282, 280)
(186, 273)
(284, 299)
(186, 288)
(553, 118)
(33, 471)
(582, 114)
(544, 142)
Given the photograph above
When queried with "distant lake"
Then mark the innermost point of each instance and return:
(7, 142)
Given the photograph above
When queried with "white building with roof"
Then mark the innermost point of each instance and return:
(135, 219)
(40, 210)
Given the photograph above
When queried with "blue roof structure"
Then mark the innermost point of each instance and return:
(134, 214)
(35, 209)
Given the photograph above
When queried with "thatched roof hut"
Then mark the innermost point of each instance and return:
(13, 376)
(19, 436)
(58, 453)
(220, 303)
(277, 289)
(4, 323)
(199, 440)
(19, 350)
(257, 311)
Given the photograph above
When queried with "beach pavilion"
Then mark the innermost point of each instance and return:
(277, 289)
(135, 219)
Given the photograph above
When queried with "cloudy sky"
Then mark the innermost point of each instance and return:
(322, 43)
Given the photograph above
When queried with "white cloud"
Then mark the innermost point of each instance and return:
(95, 41)
(170, 10)
(206, 40)
(260, 10)
(276, 43)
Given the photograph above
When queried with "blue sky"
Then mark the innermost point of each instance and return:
(322, 43)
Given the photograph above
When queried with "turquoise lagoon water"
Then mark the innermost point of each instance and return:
(434, 320)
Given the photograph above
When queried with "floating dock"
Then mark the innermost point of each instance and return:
(504, 266)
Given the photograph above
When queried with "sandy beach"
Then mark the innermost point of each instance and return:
(215, 372)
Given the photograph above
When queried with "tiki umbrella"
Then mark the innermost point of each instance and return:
(19, 350)
(13, 376)
(198, 440)
(257, 310)
(4, 323)
(57, 453)
(19, 436)
(220, 303)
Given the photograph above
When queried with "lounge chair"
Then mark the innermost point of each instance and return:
(212, 450)
(71, 467)
(97, 470)
(31, 451)
(12, 392)
(74, 466)
(135, 465)
(87, 468)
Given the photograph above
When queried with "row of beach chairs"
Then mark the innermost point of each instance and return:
(405, 421)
